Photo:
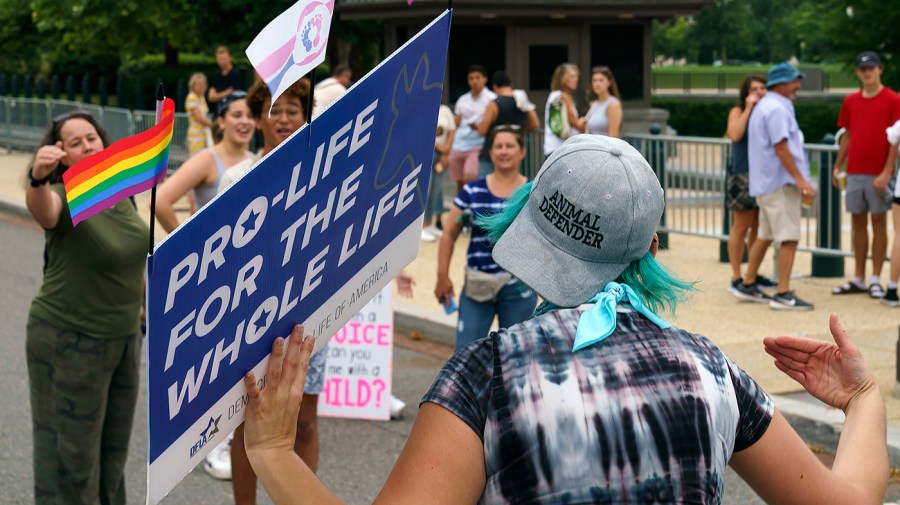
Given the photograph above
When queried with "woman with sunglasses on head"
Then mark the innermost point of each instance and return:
(488, 291)
(83, 339)
(605, 115)
(596, 399)
(201, 173)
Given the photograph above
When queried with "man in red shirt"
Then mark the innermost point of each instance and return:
(870, 165)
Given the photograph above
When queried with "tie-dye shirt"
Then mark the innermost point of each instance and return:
(645, 416)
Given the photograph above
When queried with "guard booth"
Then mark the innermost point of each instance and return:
(529, 38)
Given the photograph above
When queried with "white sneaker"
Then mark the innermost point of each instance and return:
(427, 237)
(397, 406)
(434, 230)
(218, 462)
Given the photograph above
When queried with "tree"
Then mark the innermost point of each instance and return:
(18, 37)
(722, 31)
(866, 25)
(118, 28)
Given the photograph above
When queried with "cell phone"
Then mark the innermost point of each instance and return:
(449, 304)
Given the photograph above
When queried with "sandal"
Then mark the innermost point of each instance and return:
(849, 288)
(876, 291)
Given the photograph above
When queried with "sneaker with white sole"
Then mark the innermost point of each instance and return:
(218, 462)
(750, 293)
(788, 301)
(427, 237)
(434, 230)
(890, 298)
(765, 283)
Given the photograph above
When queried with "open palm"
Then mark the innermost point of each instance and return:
(832, 372)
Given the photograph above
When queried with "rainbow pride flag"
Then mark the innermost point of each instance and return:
(126, 168)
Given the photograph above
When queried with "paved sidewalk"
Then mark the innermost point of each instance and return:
(738, 328)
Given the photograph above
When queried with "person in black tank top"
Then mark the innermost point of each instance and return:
(506, 109)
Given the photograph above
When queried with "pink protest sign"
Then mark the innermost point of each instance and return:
(358, 369)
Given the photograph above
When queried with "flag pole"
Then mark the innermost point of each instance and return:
(160, 98)
(309, 105)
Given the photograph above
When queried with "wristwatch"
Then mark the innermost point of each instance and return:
(36, 183)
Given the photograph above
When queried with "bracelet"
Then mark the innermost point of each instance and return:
(36, 183)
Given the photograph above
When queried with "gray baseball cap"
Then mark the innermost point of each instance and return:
(593, 209)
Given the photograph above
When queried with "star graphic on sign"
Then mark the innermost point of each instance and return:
(212, 428)
(249, 224)
(261, 320)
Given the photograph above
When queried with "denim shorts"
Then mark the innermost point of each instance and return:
(315, 377)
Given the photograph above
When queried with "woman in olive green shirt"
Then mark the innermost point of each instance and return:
(82, 340)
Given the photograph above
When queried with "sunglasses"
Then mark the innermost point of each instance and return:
(506, 128)
(71, 114)
(225, 102)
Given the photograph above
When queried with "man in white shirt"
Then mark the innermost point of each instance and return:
(468, 113)
(332, 88)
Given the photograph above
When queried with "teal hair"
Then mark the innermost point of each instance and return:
(658, 288)
(496, 224)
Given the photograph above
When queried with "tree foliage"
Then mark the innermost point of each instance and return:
(97, 36)
(813, 31)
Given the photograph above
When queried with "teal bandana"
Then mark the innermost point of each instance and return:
(599, 321)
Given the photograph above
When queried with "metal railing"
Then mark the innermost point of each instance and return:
(23, 122)
(692, 171)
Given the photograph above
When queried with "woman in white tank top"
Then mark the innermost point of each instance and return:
(201, 173)
(605, 114)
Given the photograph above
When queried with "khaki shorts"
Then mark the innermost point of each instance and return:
(779, 215)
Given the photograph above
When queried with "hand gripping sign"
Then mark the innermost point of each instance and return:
(308, 235)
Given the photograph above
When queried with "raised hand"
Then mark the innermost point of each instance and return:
(751, 100)
(271, 424)
(46, 159)
(835, 373)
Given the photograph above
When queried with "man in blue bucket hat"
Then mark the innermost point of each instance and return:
(779, 179)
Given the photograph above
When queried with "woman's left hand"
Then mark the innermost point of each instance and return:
(271, 424)
(835, 373)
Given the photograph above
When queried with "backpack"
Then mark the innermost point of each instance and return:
(558, 119)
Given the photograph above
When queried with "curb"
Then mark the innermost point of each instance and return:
(432, 324)
(14, 207)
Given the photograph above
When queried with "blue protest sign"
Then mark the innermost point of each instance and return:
(308, 235)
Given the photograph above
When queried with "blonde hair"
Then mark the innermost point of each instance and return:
(559, 74)
(194, 77)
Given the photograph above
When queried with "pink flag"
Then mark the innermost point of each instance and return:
(292, 44)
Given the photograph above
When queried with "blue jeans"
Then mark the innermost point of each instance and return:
(514, 304)
(434, 203)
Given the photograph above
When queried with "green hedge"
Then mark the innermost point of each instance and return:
(706, 117)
